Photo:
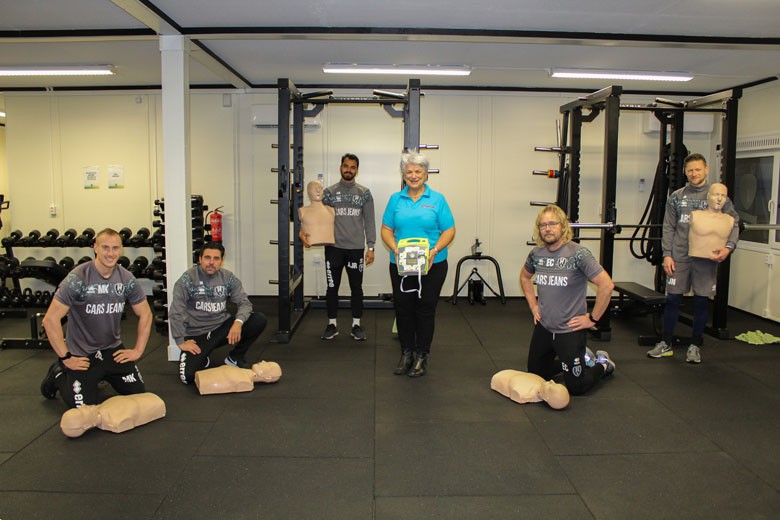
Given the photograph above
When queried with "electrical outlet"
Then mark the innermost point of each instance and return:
(53, 210)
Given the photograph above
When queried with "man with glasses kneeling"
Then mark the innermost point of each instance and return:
(563, 269)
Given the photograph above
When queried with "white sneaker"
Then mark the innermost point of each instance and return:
(660, 350)
(693, 355)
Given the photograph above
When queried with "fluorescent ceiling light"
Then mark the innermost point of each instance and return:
(2, 114)
(409, 70)
(646, 75)
(57, 70)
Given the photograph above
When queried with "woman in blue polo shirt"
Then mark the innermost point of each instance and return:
(417, 211)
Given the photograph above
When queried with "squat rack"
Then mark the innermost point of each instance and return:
(291, 304)
(671, 116)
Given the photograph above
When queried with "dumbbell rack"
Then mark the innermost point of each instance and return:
(53, 272)
(199, 237)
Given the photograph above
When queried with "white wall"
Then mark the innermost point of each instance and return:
(486, 157)
(754, 282)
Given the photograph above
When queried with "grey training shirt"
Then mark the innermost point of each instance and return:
(562, 283)
(95, 306)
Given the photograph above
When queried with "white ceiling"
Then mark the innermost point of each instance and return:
(509, 43)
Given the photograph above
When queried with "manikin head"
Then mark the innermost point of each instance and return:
(716, 196)
(108, 249)
(266, 372)
(696, 170)
(552, 228)
(315, 191)
(414, 170)
(211, 255)
(556, 395)
(350, 164)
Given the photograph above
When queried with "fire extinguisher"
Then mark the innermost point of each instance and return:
(215, 221)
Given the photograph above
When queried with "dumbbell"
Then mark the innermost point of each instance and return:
(31, 239)
(159, 292)
(84, 260)
(159, 306)
(67, 263)
(68, 238)
(125, 233)
(140, 238)
(38, 300)
(5, 297)
(138, 266)
(12, 239)
(86, 238)
(28, 298)
(46, 298)
(16, 298)
(49, 239)
(123, 261)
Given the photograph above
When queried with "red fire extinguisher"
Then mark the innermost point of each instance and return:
(215, 220)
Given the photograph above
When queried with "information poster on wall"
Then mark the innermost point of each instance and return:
(116, 177)
(91, 177)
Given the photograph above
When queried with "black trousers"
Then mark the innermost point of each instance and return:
(336, 259)
(569, 348)
(415, 314)
(191, 363)
(80, 387)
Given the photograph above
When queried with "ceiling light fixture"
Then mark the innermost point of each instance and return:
(58, 70)
(409, 70)
(2, 114)
(646, 75)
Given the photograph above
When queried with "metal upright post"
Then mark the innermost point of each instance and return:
(286, 92)
(412, 116)
(728, 166)
(297, 199)
(573, 211)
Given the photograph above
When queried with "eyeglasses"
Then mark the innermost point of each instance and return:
(543, 225)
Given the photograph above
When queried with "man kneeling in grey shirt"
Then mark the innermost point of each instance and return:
(199, 319)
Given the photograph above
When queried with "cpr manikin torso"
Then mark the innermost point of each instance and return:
(524, 387)
(116, 414)
(228, 379)
(710, 228)
(317, 219)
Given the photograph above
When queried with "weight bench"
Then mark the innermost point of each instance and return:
(651, 300)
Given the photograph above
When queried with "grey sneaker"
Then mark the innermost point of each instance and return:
(693, 355)
(330, 332)
(602, 356)
(661, 349)
(237, 362)
(590, 357)
(358, 333)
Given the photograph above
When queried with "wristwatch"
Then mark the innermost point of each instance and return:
(370, 248)
(66, 356)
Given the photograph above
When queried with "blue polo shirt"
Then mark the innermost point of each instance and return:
(426, 218)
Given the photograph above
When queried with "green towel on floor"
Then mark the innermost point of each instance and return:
(758, 338)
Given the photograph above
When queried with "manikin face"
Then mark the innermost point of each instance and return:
(415, 176)
(349, 170)
(108, 249)
(696, 172)
(211, 261)
(314, 190)
(716, 196)
(550, 229)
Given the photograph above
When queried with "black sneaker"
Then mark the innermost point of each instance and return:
(358, 333)
(330, 332)
(49, 386)
(238, 362)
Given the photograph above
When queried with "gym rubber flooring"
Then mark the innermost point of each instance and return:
(339, 436)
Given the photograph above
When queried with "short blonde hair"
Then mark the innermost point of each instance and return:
(560, 216)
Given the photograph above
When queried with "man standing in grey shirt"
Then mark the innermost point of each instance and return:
(200, 321)
(354, 227)
(93, 297)
(563, 269)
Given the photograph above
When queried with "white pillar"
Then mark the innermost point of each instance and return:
(174, 51)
